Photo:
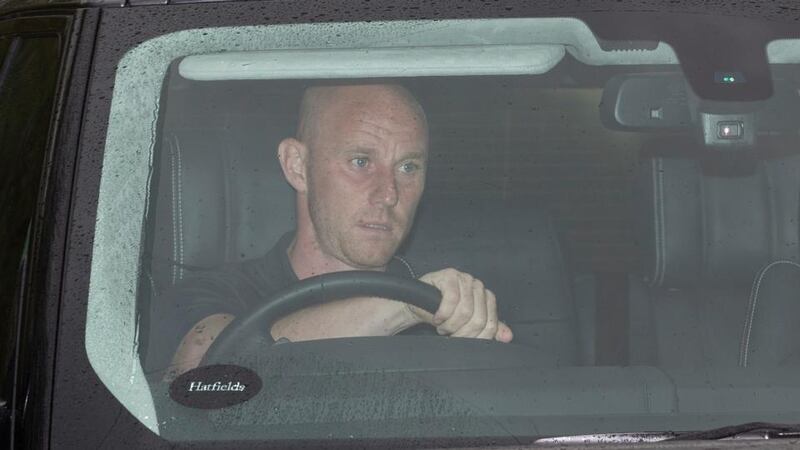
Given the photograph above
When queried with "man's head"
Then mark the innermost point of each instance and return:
(358, 166)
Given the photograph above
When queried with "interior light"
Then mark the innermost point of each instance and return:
(731, 129)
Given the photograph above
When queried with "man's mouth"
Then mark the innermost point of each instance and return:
(377, 226)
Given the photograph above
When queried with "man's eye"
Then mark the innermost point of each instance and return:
(409, 167)
(360, 162)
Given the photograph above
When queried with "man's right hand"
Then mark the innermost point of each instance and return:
(467, 309)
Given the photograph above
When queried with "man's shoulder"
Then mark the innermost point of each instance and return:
(266, 273)
(247, 279)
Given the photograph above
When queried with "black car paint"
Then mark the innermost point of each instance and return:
(59, 401)
(42, 279)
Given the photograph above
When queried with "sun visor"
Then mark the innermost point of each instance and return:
(373, 62)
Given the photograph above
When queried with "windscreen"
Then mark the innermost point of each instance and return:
(528, 238)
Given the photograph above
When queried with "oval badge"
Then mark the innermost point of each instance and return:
(216, 386)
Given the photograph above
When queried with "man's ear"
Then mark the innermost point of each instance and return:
(293, 156)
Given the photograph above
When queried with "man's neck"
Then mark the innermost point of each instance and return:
(308, 259)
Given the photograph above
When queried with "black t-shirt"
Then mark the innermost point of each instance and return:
(229, 289)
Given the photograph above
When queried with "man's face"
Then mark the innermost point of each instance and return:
(366, 173)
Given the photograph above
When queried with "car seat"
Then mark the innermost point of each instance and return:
(705, 236)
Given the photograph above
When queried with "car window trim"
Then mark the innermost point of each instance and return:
(28, 407)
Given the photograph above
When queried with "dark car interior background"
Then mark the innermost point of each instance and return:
(562, 217)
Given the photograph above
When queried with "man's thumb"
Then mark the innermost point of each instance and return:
(504, 333)
(420, 314)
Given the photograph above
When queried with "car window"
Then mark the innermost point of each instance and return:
(621, 227)
(27, 88)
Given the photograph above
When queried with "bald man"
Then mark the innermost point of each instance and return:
(358, 167)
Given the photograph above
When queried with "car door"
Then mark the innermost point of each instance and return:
(35, 174)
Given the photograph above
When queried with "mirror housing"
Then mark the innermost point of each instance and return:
(664, 101)
(646, 102)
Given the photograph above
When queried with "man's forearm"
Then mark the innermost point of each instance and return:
(361, 316)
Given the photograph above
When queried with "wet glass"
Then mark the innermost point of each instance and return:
(641, 243)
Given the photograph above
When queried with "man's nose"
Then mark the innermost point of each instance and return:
(385, 189)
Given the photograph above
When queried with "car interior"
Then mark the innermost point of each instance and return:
(531, 194)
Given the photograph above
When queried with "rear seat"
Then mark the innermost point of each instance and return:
(771, 336)
(705, 239)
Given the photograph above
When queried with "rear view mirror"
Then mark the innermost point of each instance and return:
(646, 102)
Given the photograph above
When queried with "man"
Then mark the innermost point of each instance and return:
(358, 168)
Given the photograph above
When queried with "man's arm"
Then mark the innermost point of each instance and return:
(375, 317)
(361, 316)
(195, 344)
(468, 309)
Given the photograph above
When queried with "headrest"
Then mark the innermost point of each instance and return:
(699, 227)
(220, 199)
(513, 248)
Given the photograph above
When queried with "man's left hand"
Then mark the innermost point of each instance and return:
(467, 309)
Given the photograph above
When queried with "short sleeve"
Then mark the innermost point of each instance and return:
(177, 310)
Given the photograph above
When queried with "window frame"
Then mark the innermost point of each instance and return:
(33, 360)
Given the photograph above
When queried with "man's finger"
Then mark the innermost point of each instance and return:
(490, 330)
(464, 306)
(449, 285)
(477, 322)
(420, 313)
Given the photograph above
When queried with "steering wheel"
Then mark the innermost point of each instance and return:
(252, 330)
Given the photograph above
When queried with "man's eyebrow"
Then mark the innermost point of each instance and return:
(416, 155)
(370, 151)
(356, 150)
